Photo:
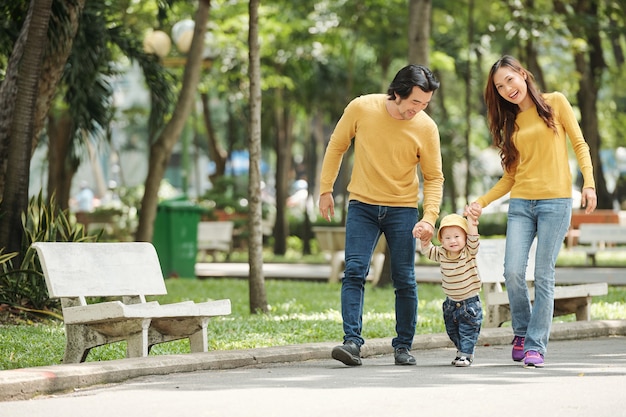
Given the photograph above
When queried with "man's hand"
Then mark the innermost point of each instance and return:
(327, 206)
(423, 231)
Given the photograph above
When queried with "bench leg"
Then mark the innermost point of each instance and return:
(376, 269)
(583, 312)
(495, 315)
(76, 346)
(592, 257)
(176, 328)
(198, 341)
(336, 262)
(137, 343)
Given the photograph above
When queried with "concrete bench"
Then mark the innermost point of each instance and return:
(215, 237)
(81, 274)
(332, 240)
(594, 238)
(568, 299)
(579, 217)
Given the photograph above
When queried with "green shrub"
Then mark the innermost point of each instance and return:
(23, 286)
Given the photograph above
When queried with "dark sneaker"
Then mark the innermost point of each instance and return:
(463, 361)
(533, 359)
(518, 349)
(348, 353)
(403, 357)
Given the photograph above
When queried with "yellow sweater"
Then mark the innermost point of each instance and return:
(543, 170)
(386, 154)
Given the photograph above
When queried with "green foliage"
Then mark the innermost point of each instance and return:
(228, 194)
(23, 286)
(300, 312)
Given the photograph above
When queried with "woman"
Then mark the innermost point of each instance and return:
(530, 130)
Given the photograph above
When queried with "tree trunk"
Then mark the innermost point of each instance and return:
(54, 64)
(258, 298)
(419, 36)
(419, 31)
(217, 154)
(584, 24)
(15, 194)
(161, 149)
(284, 140)
(61, 169)
(468, 105)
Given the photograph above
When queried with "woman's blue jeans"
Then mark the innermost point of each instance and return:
(548, 220)
(364, 225)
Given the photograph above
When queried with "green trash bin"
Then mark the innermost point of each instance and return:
(175, 237)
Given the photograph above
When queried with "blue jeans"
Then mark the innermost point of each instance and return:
(548, 220)
(463, 320)
(364, 225)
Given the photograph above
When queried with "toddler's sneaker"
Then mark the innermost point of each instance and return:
(533, 359)
(518, 349)
(463, 362)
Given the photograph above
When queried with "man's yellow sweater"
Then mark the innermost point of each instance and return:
(543, 171)
(386, 154)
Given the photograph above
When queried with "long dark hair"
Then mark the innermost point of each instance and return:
(501, 113)
(409, 77)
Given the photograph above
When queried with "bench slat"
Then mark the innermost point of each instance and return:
(124, 268)
(608, 233)
(215, 236)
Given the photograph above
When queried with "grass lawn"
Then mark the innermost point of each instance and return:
(300, 312)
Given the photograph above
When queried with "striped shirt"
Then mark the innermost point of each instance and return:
(460, 279)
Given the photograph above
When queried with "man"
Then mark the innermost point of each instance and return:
(392, 136)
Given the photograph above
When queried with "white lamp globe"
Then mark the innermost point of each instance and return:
(157, 42)
(182, 34)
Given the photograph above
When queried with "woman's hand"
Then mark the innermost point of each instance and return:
(474, 210)
(589, 200)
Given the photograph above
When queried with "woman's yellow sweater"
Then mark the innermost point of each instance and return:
(386, 154)
(543, 170)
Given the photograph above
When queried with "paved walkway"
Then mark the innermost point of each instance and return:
(240, 382)
(307, 373)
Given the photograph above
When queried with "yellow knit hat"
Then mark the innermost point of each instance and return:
(452, 220)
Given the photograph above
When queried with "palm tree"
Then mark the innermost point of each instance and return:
(20, 98)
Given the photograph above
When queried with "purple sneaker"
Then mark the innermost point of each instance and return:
(533, 359)
(518, 349)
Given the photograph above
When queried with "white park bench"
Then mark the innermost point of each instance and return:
(215, 237)
(568, 299)
(594, 238)
(81, 274)
(332, 241)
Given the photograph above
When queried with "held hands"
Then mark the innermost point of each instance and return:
(424, 232)
(473, 211)
(589, 200)
(472, 219)
(327, 206)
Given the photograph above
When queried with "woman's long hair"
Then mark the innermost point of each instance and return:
(501, 113)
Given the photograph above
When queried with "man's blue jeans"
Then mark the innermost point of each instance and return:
(463, 320)
(364, 225)
(549, 221)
